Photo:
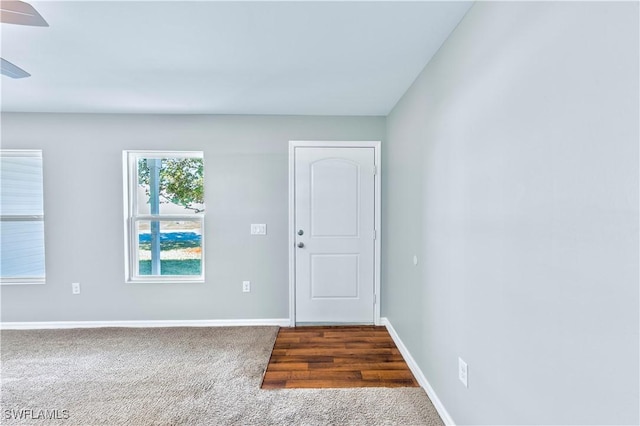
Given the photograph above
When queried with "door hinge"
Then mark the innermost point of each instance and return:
(375, 234)
(375, 299)
(375, 170)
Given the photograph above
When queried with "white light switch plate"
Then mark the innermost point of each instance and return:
(463, 372)
(258, 229)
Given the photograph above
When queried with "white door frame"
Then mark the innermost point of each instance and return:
(292, 235)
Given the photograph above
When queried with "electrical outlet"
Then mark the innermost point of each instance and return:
(258, 229)
(463, 372)
(75, 288)
(246, 286)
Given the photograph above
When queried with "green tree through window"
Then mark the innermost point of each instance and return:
(181, 181)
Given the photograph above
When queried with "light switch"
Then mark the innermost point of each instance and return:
(258, 229)
(463, 372)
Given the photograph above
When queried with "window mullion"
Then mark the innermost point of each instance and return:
(21, 218)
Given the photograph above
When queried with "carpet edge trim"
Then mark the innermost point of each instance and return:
(39, 325)
(273, 345)
(418, 374)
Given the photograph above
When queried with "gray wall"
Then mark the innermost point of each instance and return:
(511, 170)
(246, 168)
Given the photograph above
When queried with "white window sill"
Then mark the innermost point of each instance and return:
(171, 280)
(24, 281)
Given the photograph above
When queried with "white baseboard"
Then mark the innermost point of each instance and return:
(282, 322)
(417, 372)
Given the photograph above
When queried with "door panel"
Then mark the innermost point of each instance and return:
(335, 210)
(334, 213)
(334, 276)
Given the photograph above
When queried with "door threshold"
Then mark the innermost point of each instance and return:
(330, 324)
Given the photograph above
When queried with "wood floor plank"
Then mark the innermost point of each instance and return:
(338, 334)
(317, 333)
(337, 351)
(375, 345)
(287, 339)
(352, 339)
(315, 384)
(314, 375)
(291, 366)
(368, 358)
(361, 366)
(325, 345)
(386, 374)
(290, 358)
(336, 357)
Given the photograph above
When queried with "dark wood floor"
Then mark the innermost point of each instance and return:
(336, 357)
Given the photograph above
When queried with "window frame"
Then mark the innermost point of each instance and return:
(27, 218)
(131, 217)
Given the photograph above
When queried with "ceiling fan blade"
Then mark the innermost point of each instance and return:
(20, 13)
(12, 71)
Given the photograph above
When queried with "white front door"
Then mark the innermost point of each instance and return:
(334, 217)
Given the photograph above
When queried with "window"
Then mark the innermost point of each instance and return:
(164, 216)
(21, 217)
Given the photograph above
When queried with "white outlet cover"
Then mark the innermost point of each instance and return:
(75, 288)
(246, 286)
(463, 372)
(415, 259)
(258, 229)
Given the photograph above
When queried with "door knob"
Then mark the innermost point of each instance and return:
(300, 232)
(300, 245)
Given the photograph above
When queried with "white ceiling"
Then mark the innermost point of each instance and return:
(211, 57)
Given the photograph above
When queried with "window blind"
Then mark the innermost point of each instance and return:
(21, 217)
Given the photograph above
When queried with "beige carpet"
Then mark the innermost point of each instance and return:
(176, 376)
